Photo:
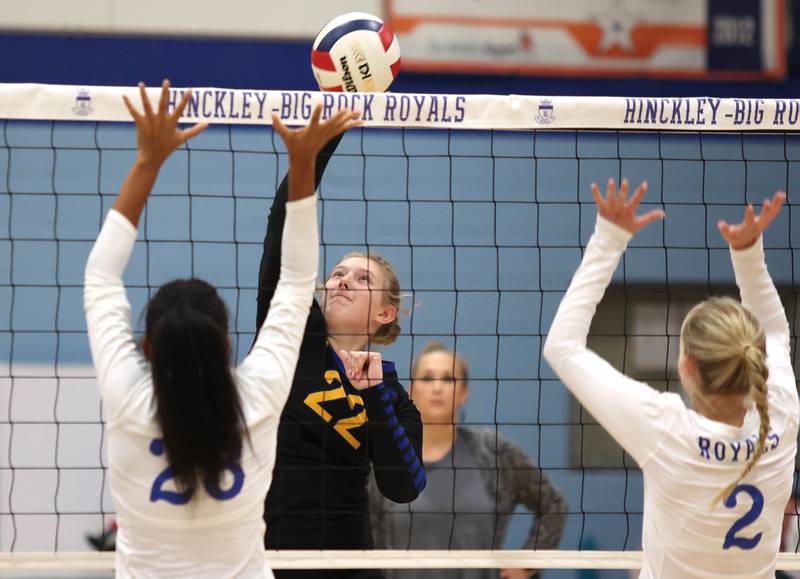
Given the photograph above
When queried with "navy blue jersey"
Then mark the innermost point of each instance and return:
(330, 433)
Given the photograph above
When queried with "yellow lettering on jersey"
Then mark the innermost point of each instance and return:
(315, 400)
(343, 425)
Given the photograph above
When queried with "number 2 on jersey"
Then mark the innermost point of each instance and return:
(746, 543)
(158, 493)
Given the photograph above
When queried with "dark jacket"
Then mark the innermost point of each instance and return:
(330, 432)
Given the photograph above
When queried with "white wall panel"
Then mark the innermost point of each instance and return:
(246, 18)
(56, 14)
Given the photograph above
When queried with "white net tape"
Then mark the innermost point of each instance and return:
(390, 559)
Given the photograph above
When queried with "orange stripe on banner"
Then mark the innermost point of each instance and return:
(645, 38)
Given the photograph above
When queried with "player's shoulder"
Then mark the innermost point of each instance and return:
(782, 392)
(660, 404)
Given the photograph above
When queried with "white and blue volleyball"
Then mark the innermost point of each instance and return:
(355, 52)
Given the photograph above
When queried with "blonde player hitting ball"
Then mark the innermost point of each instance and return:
(191, 441)
(716, 477)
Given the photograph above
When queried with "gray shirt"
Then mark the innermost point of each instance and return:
(453, 512)
(506, 478)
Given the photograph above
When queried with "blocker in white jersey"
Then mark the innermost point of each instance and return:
(187, 505)
(702, 517)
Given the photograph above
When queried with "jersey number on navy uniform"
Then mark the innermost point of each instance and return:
(343, 425)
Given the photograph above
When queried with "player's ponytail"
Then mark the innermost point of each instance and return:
(728, 346)
(197, 403)
(754, 366)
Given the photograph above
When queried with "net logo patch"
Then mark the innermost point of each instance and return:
(83, 103)
(546, 114)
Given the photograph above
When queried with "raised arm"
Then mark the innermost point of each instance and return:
(273, 358)
(270, 265)
(628, 409)
(757, 290)
(395, 434)
(107, 309)
(157, 136)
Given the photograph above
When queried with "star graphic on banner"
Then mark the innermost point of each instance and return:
(617, 23)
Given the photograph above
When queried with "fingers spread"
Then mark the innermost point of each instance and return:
(131, 109)
(342, 121)
(649, 217)
(598, 197)
(315, 116)
(638, 195)
(611, 194)
(623, 191)
(773, 206)
(162, 101)
(148, 110)
(279, 127)
(178, 113)
(193, 131)
(749, 215)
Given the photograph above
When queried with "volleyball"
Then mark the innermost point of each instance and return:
(355, 52)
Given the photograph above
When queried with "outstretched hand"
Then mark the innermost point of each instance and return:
(305, 142)
(157, 133)
(743, 235)
(157, 136)
(621, 211)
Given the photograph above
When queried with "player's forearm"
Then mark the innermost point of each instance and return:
(136, 189)
(570, 326)
(105, 304)
(757, 289)
(301, 177)
(111, 251)
(278, 342)
(396, 445)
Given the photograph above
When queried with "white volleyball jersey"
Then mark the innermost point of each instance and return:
(686, 458)
(218, 531)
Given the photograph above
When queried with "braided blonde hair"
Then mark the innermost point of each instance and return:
(728, 346)
(387, 333)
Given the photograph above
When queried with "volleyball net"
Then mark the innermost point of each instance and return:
(481, 203)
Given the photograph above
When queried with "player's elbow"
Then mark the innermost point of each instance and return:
(556, 350)
(403, 492)
(402, 496)
(551, 349)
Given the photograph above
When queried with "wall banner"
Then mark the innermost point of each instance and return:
(724, 39)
